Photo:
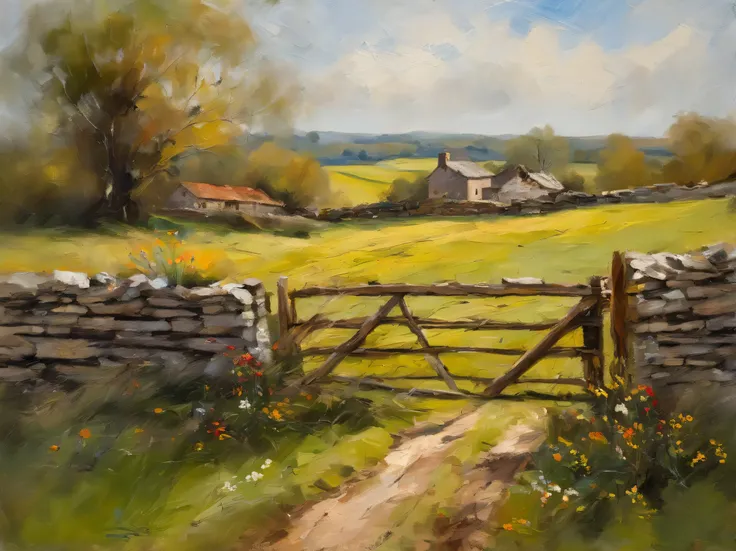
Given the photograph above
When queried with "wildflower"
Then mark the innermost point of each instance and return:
(245, 404)
(571, 492)
(227, 487)
(223, 436)
(557, 457)
(646, 410)
(265, 410)
(158, 411)
(230, 347)
(85, 433)
(54, 448)
(565, 498)
(563, 441)
(580, 509)
(309, 396)
(598, 437)
(255, 476)
(649, 391)
(138, 430)
(555, 488)
(643, 398)
(655, 403)
(508, 527)
(628, 433)
(697, 459)
(266, 464)
(198, 447)
(276, 415)
(712, 442)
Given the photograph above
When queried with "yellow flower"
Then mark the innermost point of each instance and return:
(688, 418)
(158, 411)
(138, 430)
(508, 527)
(580, 509)
(565, 498)
(712, 442)
(563, 441)
(198, 447)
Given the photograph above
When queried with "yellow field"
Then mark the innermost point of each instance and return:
(566, 247)
(360, 184)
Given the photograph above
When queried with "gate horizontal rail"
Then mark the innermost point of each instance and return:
(586, 314)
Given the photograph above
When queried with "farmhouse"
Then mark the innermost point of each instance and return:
(460, 180)
(516, 183)
(211, 198)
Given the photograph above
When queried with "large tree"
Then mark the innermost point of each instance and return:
(540, 149)
(136, 85)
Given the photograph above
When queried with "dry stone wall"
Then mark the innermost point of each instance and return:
(658, 193)
(66, 321)
(682, 310)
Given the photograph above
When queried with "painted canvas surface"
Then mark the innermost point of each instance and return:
(322, 275)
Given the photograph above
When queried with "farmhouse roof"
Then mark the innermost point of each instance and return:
(544, 179)
(240, 194)
(468, 169)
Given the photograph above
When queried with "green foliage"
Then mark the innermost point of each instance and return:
(573, 181)
(704, 149)
(539, 150)
(621, 165)
(409, 190)
(622, 460)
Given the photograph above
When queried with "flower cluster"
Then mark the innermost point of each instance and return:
(621, 448)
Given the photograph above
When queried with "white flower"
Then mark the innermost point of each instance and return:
(248, 478)
(227, 487)
(571, 492)
(619, 451)
(266, 464)
(621, 408)
(554, 488)
(245, 404)
(255, 476)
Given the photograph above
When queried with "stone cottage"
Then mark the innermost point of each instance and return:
(208, 198)
(459, 180)
(516, 183)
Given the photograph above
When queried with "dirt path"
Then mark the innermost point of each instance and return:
(360, 518)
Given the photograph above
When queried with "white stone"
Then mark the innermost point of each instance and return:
(242, 295)
(138, 279)
(27, 280)
(104, 278)
(160, 283)
(78, 279)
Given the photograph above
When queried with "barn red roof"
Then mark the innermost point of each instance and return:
(241, 194)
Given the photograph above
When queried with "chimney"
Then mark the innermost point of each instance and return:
(442, 159)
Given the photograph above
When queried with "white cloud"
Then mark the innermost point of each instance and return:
(504, 82)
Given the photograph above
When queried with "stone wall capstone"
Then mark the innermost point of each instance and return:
(682, 313)
(66, 321)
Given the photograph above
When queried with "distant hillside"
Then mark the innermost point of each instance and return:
(341, 148)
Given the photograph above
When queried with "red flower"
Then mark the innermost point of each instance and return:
(655, 403)
(247, 357)
(646, 410)
(259, 373)
(649, 391)
(660, 427)
(231, 347)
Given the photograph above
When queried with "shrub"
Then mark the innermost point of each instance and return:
(406, 190)
(620, 460)
(168, 259)
(573, 181)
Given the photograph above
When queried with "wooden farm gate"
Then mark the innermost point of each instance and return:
(586, 314)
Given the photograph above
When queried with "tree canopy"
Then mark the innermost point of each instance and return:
(622, 165)
(539, 150)
(136, 86)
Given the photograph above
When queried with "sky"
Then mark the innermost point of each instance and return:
(586, 67)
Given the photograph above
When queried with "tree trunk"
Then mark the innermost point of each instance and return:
(118, 203)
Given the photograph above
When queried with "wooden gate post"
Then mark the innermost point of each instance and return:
(619, 314)
(593, 338)
(284, 309)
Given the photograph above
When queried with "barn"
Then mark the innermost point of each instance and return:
(516, 183)
(208, 198)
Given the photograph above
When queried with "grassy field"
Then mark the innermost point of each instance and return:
(566, 247)
(358, 184)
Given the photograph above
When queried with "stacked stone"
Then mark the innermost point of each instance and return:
(658, 193)
(66, 320)
(683, 312)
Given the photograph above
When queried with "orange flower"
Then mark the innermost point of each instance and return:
(54, 448)
(85, 433)
(138, 430)
(309, 396)
(557, 457)
(158, 411)
(276, 415)
(628, 434)
(508, 527)
(597, 437)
